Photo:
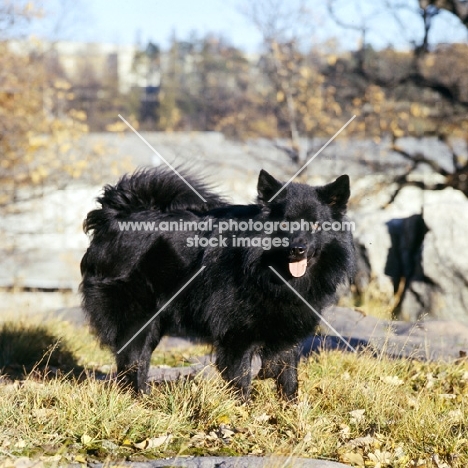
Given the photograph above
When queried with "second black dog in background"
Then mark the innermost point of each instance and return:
(237, 302)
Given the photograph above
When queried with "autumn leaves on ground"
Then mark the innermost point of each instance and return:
(361, 410)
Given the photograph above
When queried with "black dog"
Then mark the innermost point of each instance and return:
(237, 302)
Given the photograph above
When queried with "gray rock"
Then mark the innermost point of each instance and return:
(414, 253)
(429, 259)
(445, 254)
(375, 231)
(434, 149)
(230, 462)
(427, 340)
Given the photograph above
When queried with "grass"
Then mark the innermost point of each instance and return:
(360, 410)
(372, 301)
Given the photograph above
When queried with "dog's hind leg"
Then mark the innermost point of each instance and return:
(282, 366)
(235, 364)
(133, 359)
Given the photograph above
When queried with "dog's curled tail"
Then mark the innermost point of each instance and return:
(150, 189)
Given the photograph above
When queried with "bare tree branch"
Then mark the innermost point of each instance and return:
(459, 8)
(419, 158)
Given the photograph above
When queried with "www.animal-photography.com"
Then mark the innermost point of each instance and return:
(233, 233)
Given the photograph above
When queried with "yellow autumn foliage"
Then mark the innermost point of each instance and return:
(39, 132)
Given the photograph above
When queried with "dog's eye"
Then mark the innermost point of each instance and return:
(284, 224)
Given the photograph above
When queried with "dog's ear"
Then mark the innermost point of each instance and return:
(336, 194)
(268, 187)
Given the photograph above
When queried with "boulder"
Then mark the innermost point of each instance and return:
(415, 252)
(375, 233)
(445, 253)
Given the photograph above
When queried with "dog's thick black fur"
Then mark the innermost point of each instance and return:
(237, 302)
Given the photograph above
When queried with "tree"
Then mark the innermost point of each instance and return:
(458, 8)
(36, 133)
(171, 88)
(419, 93)
(207, 85)
(40, 134)
(146, 94)
(305, 105)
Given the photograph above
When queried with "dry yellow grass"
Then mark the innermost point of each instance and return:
(361, 410)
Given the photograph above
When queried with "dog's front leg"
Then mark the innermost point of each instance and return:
(234, 363)
(282, 366)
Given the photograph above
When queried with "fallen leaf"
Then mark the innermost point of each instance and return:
(148, 444)
(86, 439)
(357, 415)
(412, 402)
(127, 443)
(212, 435)
(399, 453)
(381, 457)
(362, 441)
(392, 380)
(429, 380)
(42, 414)
(354, 458)
(225, 432)
(456, 415)
(438, 462)
(223, 420)
(262, 418)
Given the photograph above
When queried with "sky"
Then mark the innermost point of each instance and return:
(125, 21)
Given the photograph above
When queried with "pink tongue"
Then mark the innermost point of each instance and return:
(298, 269)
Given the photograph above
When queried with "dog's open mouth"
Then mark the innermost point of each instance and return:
(298, 269)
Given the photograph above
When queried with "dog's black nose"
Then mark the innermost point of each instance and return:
(298, 250)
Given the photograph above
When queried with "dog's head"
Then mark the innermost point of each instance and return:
(309, 217)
